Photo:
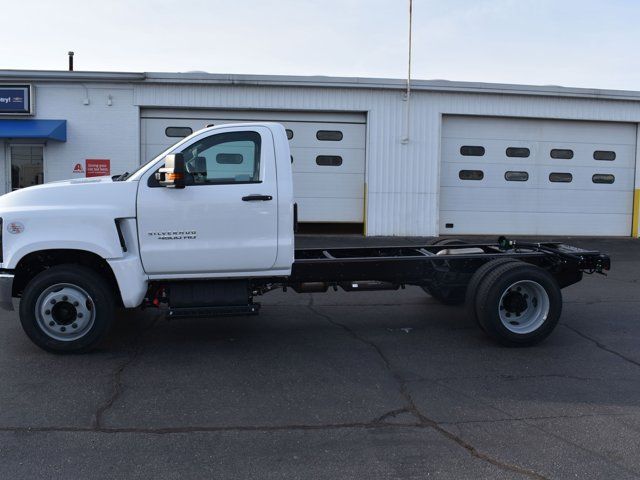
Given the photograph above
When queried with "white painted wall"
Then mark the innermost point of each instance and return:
(93, 131)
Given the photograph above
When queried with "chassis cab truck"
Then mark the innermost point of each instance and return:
(208, 225)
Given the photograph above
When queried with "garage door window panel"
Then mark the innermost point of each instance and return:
(518, 152)
(470, 174)
(605, 178)
(560, 177)
(561, 153)
(606, 155)
(472, 151)
(227, 158)
(328, 160)
(512, 176)
(329, 135)
(178, 132)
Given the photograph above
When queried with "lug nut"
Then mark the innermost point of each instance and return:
(74, 325)
(51, 324)
(79, 314)
(65, 298)
(63, 329)
(53, 301)
(75, 304)
(47, 312)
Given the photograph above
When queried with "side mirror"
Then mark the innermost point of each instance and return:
(172, 175)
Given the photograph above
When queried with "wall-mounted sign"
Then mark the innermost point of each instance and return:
(16, 100)
(97, 167)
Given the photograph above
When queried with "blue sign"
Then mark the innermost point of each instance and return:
(15, 100)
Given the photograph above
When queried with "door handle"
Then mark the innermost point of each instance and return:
(255, 198)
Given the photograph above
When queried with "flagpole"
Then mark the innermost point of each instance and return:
(408, 93)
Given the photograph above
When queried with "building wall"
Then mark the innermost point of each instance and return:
(95, 130)
(402, 178)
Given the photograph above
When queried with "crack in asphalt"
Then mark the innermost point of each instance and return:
(412, 408)
(525, 419)
(117, 388)
(501, 377)
(602, 346)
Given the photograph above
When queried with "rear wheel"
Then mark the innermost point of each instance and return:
(474, 283)
(66, 309)
(518, 304)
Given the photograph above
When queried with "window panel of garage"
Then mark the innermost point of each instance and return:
(560, 177)
(329, 135)
(607, 155)
(472, 150)
(603, 178)
(562, 153)
(470, 174)
(516, 176)
(328, 160)
(178, 132)
(518, 152)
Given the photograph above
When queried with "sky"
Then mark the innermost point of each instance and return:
(582, 43)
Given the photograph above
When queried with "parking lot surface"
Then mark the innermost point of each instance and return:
(336, 385)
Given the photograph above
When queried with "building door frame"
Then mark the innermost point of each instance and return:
(9, 160)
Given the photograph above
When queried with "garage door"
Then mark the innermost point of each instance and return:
(521, 176)
(328, 152)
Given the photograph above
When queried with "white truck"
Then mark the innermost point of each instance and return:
(208, 225)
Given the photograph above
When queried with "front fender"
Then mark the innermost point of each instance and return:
(96, 235)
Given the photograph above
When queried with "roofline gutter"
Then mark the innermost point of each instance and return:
(198, 78)
(54, 75)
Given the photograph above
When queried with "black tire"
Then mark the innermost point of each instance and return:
(447, 295)
(478, 276)
(544, 305)
(100, 305)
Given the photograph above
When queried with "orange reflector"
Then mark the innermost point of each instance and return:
(174, 176)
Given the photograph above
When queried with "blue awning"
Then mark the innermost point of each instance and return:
(47, 129)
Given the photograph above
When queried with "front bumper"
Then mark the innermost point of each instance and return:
(6, 290)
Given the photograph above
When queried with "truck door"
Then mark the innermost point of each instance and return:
(225, 219)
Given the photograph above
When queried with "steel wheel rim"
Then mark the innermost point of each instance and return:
(524, 306)
(65, 312)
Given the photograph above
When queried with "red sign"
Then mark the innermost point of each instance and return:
(97, 167)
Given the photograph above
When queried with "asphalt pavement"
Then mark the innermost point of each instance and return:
(378, 385)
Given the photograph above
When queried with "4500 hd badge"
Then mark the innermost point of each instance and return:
(175, 235)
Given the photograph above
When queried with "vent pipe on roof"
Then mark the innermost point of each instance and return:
(71, 61)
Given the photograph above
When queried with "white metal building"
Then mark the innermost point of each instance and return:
(469, 159)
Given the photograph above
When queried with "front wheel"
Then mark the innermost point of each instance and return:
(518, 304)
(67, 309)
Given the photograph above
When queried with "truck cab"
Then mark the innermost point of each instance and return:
(226, 214)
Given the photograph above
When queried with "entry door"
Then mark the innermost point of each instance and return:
(26, 166)
(225, 219)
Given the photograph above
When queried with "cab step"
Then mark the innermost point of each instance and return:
(218, 311)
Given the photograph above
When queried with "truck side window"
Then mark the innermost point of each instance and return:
(224, 158)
